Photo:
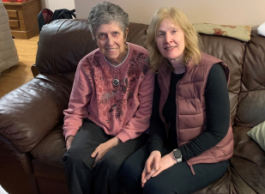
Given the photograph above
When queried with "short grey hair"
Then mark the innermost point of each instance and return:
(105, 13)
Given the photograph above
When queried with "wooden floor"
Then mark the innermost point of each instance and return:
(21, 73)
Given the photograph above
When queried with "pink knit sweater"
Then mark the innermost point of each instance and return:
(123, 110)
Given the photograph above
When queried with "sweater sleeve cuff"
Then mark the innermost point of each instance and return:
(123, 136)
(183, 153)
(154, 145)
(69, 133)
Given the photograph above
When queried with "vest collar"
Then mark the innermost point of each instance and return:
(166, 68)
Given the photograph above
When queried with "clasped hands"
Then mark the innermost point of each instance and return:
(155, 165)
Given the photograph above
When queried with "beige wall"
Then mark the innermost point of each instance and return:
(231, 12)
(58, 4)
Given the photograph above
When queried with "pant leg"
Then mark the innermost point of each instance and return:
(77, 160)
(106, 172)
(179, 179)
(131, 171)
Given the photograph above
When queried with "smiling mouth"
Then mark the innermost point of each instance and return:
(110, 49)
(170, 48)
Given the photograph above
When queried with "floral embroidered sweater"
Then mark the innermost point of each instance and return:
(123, 110)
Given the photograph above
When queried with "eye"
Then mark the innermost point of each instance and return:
(174, 31)
(115, 33)
(159, 34)
(102, 36)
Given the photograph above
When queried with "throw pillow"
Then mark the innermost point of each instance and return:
(257, 133)
(238, 32)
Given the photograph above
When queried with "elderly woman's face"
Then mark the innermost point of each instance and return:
(170, 40)
(111, 41)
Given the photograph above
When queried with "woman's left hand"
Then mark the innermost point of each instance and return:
(101, 150)
(165, 162)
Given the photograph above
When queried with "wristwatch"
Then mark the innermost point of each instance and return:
(177, 154)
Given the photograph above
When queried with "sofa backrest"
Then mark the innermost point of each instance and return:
(63, 43)
(251, 107)
(231, 51)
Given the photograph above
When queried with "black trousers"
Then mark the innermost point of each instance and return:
(81, 177)
(176, 179)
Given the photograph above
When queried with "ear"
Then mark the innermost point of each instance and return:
(126, 34)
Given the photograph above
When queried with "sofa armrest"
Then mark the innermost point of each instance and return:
(28, 113)
(16, 170)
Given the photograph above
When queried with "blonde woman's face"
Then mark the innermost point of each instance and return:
(170, 40)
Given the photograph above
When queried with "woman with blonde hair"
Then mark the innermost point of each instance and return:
(191, 138)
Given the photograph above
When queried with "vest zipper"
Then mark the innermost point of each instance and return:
(177, 106)
(190, 165)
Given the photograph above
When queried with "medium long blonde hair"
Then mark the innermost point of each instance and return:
(192, 41)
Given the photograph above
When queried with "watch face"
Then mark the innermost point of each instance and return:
(177, 154)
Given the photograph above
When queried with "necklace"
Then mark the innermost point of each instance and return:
(115, 81)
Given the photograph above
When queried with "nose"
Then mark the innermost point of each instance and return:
(168, 38)
(110, 40)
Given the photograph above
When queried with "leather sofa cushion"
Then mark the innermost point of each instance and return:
(51, 148)
(248, 160)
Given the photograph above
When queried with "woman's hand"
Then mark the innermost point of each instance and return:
(101, 150)
(69, 141)
(151, 166)
(166, 162)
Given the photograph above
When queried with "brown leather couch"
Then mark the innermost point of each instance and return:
(31, 117)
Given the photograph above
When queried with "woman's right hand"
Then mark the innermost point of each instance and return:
(69, 141)
(151, 166)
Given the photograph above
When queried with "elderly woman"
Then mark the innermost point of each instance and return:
(191, 137)
(110, 105)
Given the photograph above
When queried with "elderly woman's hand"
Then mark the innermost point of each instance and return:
(69, 141)
(151, 166)
(101, 150)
